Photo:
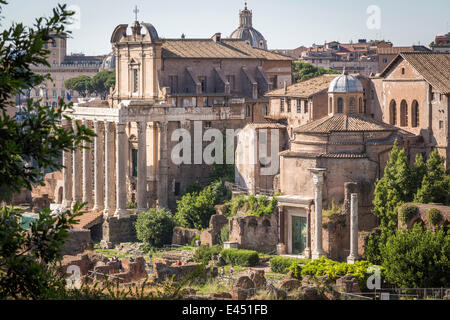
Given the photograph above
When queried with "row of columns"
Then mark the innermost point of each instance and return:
(110, 169)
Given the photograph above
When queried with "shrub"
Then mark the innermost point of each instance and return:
(296, 270)
(418, 258)
(205, 253)
(282, 264)
(252, 205)
(407, 211)
(131, 205)
(434, 216)
(224, 234)
(335, 270)
(197, 237)
(155, 227)
(245, 258)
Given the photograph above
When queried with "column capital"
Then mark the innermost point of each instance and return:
(318, 175)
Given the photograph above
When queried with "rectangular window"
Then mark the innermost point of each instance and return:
(173, 80)
(232, 80)
(288, 105)
(135, 80)
(299, 106)
(134, 156)
(306, 107)
(203, 83)
(281, 105)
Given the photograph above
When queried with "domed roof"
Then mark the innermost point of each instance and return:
(345, 83)
(246, 31)
(109, 62)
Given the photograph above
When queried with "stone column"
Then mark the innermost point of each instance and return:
(163, 166)
(87, 171)
(353, 256)
(142, 167)
(121, 167)
(281, 246)
(110, 183)
(318, 184)
(76, 173)
(99, 167)
(67, 173)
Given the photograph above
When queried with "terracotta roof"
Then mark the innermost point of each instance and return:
(397, 50)
(305, 89)
(340, 155)
(344, 122)
(207, 48)
(434, 67)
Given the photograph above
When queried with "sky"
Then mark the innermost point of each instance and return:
(286, 24)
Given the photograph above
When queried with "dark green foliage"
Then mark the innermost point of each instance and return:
(155, 227)
(407, 211)
(434, 216)
(252, 205)
(205, 253)
(99, 84)
(196, 187)
(335, 270)
(245, 258)
(436, 182)
(302, 71)
(418, 258)
(195, 210)
(282, 264)
(28, 257)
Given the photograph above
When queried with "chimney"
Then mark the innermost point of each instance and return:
(216, 37)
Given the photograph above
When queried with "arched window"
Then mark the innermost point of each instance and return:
(340, 106)
(415, 114)
(403, 114)
(361, 106)
(393, 113)
(352, 105)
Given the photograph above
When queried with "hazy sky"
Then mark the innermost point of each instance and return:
(284, 23)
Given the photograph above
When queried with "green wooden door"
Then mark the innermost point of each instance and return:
(299, 232)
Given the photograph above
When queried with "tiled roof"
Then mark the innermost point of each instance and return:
(344, 122)
(207, 48)
(340, 155)
(305, 89)
(397, 50)
(434, 67)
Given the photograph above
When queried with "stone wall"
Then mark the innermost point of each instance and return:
(78, 241)
(211, 235)
(255, 233)
(182, 236)
(116, 230)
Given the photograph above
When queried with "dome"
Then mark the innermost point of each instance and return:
(109, 62)
(246, 31)
(345, 83)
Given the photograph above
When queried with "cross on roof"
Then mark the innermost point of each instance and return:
(136, 11)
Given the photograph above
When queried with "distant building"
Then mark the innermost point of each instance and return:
(62, 68)
(441, 44)
(386, 54)
(295, 54)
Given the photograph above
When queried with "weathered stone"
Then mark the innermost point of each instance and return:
(244, 282)
(211, 235)
(309, 293)
(117, 230)
(164, 271)
(78, 241)
(188, 292)
(290, 284)
(182, 236)
(348, 284)
(239, 294)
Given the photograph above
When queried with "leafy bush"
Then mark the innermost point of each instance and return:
(195, 209)
(197, 237)
(252, 205)
(224, 234)
(302, 71)
(418, 258)
(335, 270)
(245, 258)
(434, 216)
(155, 227)
(131, 205)
(205, 253)
(296, 270)
(407, 211)
(282, 264)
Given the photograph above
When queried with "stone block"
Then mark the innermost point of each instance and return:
(78, 241)
(182, 236)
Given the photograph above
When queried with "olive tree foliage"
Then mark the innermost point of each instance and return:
(28, 147)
